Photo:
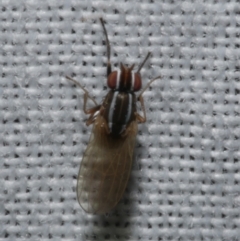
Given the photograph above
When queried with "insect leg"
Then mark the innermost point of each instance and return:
(86, 94)
(143, 118)
(144, 89)
(91, 111)
(109, 67)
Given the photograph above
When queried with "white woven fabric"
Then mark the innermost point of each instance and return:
(185, 179)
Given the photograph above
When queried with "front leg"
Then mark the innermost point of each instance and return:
(142, 119)
(92, 111)
(86, 94)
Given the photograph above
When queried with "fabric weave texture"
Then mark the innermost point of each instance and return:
(184, 183)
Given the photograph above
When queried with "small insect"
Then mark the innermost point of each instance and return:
(107, 161)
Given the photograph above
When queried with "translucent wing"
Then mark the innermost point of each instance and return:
(105, 168)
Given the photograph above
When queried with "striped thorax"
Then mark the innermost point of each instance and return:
(119, 106)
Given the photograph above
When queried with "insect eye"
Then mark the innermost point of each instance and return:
(137, 82)
(112, 80)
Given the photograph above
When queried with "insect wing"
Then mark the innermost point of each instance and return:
(105, 168)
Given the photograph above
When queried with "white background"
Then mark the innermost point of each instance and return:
(185, 179)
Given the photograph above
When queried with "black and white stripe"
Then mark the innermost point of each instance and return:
(118, 79)
(132, 81)
(119, 111)
(112, 109)
(125, 81)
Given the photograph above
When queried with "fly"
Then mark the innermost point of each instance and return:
(107, 161)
